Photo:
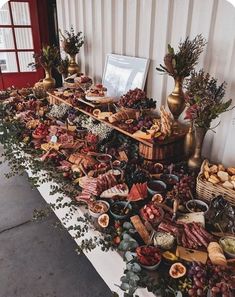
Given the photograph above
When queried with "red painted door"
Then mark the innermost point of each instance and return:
(19, 40)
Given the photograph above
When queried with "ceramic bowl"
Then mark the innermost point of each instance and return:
(156, 187)
(198, 204)
(97, 214)
(151, 268)
(222, 244)
(170, 180)
(121, 204)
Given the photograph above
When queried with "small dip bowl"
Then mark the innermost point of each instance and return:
(104, 158)
(170, 180)
(156, 187)
(196, 205)
(98, 208)
(118, 212)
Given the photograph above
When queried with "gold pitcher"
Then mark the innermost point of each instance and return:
(195, 161)
(175, 100)
(73, 66)
(48, 82)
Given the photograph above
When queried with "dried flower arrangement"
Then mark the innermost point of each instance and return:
(48, 57)
(182, 62)
(71, 42)
(204, 99)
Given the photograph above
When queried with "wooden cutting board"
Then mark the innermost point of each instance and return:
(191, 255)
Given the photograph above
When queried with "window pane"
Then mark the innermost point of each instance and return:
(6, 38)
(5, 15)
(20, 13)
(24, 59)
(8, 62)
(23, 38)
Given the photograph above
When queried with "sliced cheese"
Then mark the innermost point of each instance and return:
(196, 217)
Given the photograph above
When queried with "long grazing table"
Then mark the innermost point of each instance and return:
(109, 265)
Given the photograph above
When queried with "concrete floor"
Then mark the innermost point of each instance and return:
(37, 260)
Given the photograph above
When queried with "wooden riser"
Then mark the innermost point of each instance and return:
(170, 149)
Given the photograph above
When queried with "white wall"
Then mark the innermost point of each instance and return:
(143, 28)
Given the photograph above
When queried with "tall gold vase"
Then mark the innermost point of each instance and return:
(195, 161)
(73, 66)
(175, 100)
(189, 141)
(48, 81)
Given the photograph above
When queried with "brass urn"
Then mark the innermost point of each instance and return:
(175, 100)
(73, 66)
(195, 161)
(48, 82)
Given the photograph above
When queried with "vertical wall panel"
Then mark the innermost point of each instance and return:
(144, 28)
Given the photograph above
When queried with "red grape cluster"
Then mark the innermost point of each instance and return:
(136, 99)
(220, 281)
(209, 277)
(198, 274)
(185, 187)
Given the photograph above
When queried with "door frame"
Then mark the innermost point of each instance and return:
(27, 78)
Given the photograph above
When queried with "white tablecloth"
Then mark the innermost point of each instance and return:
(109, 265)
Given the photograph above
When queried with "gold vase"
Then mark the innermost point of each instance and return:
(175, 100)
(189, 141)
(195, 161)
(48, 82)
(73, 66)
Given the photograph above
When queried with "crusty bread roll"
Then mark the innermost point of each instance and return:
(231, 170)
(223, 176)
(122, 115)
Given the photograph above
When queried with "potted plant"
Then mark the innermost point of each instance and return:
(71, 44)
(179, 65)
(48, 58)
(204, 101)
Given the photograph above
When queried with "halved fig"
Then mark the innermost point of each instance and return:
(177, 270)
(103, 220)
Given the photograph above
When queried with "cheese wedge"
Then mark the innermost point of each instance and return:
(143, 135)
(104, 115)
(120, 190)
(191, 255)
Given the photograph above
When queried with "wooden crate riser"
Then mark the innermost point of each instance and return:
(173, 151)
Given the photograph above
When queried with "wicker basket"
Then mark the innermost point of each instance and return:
(206, 190)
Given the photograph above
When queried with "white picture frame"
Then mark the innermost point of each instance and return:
(123, 73)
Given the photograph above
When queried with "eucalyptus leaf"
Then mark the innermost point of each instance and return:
(136, 267)
(127, 225)
(125, 286)
(124, 279)
(133, 245)
(126, 237)
(124, 245)
(128, 256)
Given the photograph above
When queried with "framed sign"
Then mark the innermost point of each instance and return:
(122, 73)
